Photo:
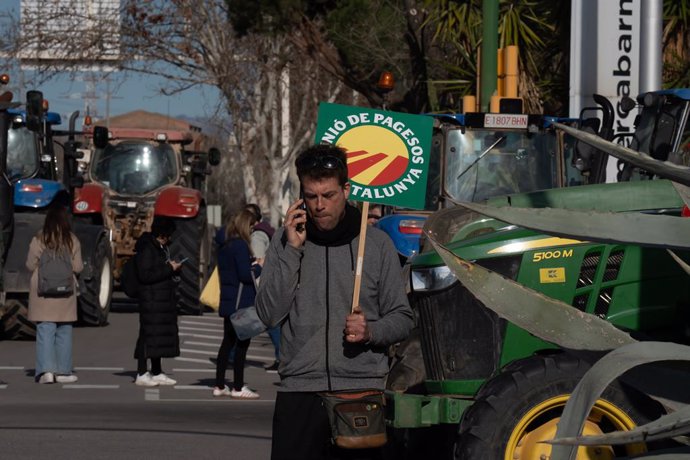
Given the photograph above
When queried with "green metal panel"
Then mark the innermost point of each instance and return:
(621, 196)
(415, 411)
(454, 387)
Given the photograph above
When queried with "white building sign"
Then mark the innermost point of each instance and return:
(55, 31)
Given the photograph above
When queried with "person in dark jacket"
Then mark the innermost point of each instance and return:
(237, 290)
(158, 334)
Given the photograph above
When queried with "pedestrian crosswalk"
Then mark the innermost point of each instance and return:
(194, 369)
(201, 336)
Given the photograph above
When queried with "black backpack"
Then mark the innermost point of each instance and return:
(129, 280)
(55, 274)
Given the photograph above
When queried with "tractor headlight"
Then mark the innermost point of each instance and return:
(432, 279)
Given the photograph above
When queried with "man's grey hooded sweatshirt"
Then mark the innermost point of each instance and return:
(309, 292)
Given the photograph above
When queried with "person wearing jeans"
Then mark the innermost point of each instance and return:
(54, 349)
(54, 315)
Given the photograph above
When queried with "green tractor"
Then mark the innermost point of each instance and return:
(494, 390)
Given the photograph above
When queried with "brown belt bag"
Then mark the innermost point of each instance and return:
(357, 418)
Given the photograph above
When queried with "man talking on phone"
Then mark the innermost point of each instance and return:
(307, 286)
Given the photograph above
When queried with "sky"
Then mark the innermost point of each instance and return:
(67, 93)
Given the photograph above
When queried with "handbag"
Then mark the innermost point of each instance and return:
(357, 418)
(210, 295)
(246, 321)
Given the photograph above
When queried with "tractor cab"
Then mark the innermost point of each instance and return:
(136, 166)
(476, 156)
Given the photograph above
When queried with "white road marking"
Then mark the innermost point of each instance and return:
(193, 323)
(11, 368)
(199, 352)
(113, 369)
(152, 394)
(200, 336)
(209, 318)
(73, 386)
(193, 370)
(202, 329)
(192, 360)
(202, 344)
(3, 386)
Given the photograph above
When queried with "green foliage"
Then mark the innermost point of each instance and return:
(536, 27)
(368, 36)
(676, 72)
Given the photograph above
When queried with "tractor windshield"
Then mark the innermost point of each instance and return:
(485, 163)
(22, 153)
(135, 167)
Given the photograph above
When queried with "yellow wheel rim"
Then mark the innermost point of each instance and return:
(539, 424)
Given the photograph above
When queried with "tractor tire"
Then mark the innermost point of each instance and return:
(521, 406)
(15, 321)
(96, 290)
(191, 240)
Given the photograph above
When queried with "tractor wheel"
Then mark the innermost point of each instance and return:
(190, 240)
(97, 289)
(520, 407)
(15, 321)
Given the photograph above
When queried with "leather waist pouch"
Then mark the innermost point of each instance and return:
(357, 418)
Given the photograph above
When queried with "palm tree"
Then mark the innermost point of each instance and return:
(675, 41)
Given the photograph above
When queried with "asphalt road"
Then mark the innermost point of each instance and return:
(105, 416)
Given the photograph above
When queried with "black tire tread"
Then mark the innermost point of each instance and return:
(90, 312)
(189, 240)
(15, 321)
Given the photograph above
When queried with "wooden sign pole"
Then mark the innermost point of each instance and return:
(360, 255)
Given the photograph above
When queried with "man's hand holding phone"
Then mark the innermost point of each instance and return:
(295, 219)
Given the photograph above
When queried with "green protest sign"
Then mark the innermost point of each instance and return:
(387, 152)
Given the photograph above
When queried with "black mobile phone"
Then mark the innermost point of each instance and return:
(303, 206)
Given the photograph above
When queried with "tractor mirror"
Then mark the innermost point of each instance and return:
(627, 104)
(100, 136)
(34, 110)
(213, 156)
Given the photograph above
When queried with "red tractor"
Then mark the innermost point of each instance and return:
(136, 174)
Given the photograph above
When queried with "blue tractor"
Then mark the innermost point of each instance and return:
(42, 175)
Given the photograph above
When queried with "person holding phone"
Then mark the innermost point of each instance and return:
(237, 273)
(158, 332)
(307, 287)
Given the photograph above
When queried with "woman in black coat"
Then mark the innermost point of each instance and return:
(158, 334)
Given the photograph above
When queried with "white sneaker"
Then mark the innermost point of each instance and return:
(224, 392)
(46, 377)
(70, 378)
(145, 380)
(163, 379)
(244, 393)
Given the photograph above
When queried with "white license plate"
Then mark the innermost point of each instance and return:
(505, 120)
